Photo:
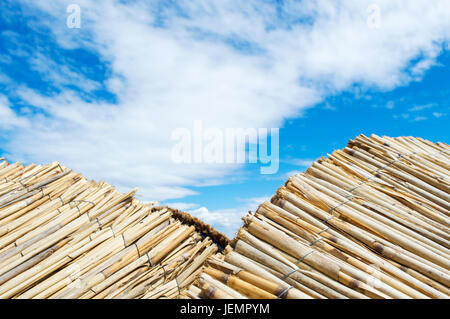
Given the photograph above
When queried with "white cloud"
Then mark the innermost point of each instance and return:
(304, 162)
(390, 105)
(4, 79)
(60, 75)
(421, 67)
(253, 202)
(5, 58)
(438, 114)
(421, 107)
(229, 220)
(167, 76)
(403, 116)
(8, 117)
(183, 206)
(330, 107)
(285, 176)
(226, 221)
(420, 118)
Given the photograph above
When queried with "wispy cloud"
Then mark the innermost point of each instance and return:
(330, 107)
(303, 162)
(8, 117)
(438, 114)
(228, 220)
(291, 173)
(422, 107)
(60, 75)
(183, 206)
(390, 105)
(420, 118)
(422, 66)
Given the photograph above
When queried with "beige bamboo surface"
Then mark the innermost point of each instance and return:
(62, 236)
(370, 221)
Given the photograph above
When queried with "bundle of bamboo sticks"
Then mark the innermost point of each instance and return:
(370, 221)
(62, 236)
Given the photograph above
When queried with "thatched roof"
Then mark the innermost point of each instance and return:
(370, 221)
(62, 236)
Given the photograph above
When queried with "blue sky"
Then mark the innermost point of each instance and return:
(104, 98)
